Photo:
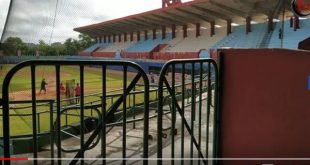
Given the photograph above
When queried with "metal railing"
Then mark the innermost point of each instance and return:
(170, 93)
(101, 128)
(203, 66)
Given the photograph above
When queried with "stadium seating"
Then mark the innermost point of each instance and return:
(239, 38)
(149, 44)
(96, 46)
(193, 43)
(157, 48)
(116, 46)
(291, 38)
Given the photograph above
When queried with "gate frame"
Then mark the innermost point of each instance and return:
(163, 80)
(81, 63)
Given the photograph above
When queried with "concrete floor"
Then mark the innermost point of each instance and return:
(134, 139)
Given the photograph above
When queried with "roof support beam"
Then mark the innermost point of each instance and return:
(149, 22)
(94, 33)
(173, 21)
(255, 7)
(128, 27)
(187, 20)
(204, 18)
(213, 13)
(162, 22)
(109, 29)
(229, 9)
(138, 23)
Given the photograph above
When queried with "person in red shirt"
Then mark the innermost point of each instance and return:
(62, 88)
(77, 92)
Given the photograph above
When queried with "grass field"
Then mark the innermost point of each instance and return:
(20, 89)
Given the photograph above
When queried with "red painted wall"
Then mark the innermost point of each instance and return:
(104, 54)
(265, 105)
(174, 55)
(305, 44)
(85, 53)
(136, 55)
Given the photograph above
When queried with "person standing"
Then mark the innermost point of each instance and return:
(43, 86)
(77, 92)
(62, 88)
(280, 33)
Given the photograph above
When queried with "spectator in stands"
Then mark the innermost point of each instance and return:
(77, 92)
(62, 88)
(43, 86)
(280, 33)
(152, 78)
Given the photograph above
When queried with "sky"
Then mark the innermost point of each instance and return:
(33, 20)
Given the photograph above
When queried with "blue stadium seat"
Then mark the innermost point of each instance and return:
(239, 39)
(150, 44)
(291, 38)
(95, 46)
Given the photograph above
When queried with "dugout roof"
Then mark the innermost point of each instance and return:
(192, 12)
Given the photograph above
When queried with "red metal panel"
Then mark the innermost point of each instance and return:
(305, 44)
(175, 55)
(84, 53)
(104, 54)
(265, 110)
(136, 55)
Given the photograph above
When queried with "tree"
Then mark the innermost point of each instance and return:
(72, 46)
(85, 41)
(11, 45)
(69, 47)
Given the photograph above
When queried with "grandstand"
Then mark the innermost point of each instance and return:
(195, 28)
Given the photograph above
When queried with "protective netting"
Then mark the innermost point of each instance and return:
(34, 20)
(54, 20)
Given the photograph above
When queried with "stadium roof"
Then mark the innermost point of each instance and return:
(192, 12)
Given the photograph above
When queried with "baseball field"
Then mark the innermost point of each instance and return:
(20, 89)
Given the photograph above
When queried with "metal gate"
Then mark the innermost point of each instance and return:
(103, 115)
(182, 85)
(186, 81)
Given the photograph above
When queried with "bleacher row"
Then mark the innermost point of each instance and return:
(195, 47)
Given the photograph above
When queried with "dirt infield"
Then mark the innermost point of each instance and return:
(51, 87)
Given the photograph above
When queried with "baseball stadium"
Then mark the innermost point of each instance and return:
(191, 82)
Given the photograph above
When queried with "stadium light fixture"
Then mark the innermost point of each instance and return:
(234, 24)
(276, 20)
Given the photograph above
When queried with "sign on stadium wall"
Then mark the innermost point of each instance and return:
(301, 7)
